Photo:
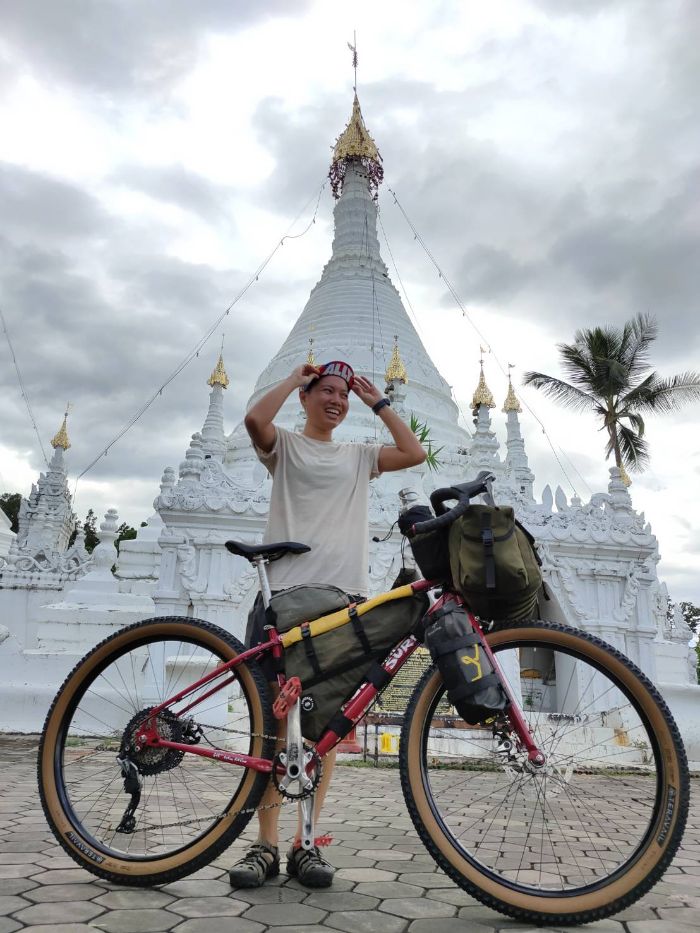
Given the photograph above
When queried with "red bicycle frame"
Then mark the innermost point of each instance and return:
(353, 710)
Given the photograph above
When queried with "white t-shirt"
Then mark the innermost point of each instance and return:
(320, 497)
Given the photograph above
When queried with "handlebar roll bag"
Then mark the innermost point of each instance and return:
(473, 687)
(494, 563)
(430, 550)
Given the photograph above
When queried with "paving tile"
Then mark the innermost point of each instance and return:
(427, 879)
(220, 925)
(24, 870)
(135, 921)
(198, 888)
(64, 892)
(365, 874)
(269, 894)
(384, 889)
(447, 925)
(455, 896)
(660, 926)
(285, 915)
(61, 928)
(10, 903)
(385, 855)
(208, 907)
(417, 908)
(77, 911)
(366, 921)
(16, 885)
(341, 900)
(134, 898)
(7, 925)
(64, 876)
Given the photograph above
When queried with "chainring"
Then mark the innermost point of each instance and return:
(315, 777)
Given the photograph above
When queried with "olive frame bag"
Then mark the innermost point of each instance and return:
(332, 666)
(494, 563)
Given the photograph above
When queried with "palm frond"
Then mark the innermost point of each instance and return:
(633, 449)
(663, 395)
(638, 335)
(636, 421)
(560, 391)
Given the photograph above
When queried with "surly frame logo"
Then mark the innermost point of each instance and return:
(79, 844)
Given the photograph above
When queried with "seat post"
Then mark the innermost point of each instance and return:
(259, 563)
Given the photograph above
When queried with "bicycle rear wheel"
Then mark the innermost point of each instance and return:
(191, 808)
(586, 835)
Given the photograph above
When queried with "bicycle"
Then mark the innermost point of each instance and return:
(565, 808)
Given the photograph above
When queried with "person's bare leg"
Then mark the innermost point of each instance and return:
(320, 796)
(268, 820)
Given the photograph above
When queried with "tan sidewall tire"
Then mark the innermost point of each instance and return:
(647, 861)
(250, 788)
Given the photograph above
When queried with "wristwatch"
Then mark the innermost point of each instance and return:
(377, 407)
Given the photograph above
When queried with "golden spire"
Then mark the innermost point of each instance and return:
(310, 358)
(396, 371)
(624, 476)
(218, 376)
(511, 403)
(60, 438)
(355, 141)
(482, 395)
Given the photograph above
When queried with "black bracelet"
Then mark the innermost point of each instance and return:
(377, 407)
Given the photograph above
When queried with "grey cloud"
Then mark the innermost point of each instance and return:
(38, 205)
(116, 47)
(176, 185)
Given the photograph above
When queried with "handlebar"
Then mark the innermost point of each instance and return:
(462, 492)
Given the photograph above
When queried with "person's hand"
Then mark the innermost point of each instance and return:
(301, 376)
(368, 392)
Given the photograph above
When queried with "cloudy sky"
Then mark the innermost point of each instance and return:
(153, 153)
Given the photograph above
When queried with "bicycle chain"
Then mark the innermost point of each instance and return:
(231, 815)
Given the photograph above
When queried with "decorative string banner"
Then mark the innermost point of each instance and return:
(195, 351)
(487, 345)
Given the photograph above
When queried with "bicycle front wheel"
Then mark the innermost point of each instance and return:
(587, 834)
(190, 808)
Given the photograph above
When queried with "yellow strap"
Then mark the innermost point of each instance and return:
(342, 617)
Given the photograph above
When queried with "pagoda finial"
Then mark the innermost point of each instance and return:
(482, 393)
(60, 438)
(396, 371)
(511, 403)
(355, 144)
(218, 376)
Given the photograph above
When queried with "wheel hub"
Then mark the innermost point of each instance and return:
(151, 759)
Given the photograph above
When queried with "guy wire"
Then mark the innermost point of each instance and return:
(203, 341)
(417, 236)
(22, 388)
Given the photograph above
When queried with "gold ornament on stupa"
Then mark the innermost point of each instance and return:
(396, 371)
(218, 376)
(624, 476)
(355, 140)
(60, 438)
(310, 358)
(511, 403)
(482, 394)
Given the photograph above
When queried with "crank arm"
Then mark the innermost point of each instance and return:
(307, 822)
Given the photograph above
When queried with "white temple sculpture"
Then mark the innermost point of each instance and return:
(599, 557)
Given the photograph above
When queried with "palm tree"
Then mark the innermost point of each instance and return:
(606, 367)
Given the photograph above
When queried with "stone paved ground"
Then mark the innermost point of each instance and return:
(386, 882)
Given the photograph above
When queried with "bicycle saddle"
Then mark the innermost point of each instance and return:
(269, 551)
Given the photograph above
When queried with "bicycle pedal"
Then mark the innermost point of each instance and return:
(289, 694)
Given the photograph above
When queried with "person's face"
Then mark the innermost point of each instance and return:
(327, 402)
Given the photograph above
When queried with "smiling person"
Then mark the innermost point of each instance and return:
(320, 497)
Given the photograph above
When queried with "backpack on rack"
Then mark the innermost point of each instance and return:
(332, 666)
(494, 563)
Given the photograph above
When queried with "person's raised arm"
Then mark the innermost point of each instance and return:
(258, 421)
(408, 451)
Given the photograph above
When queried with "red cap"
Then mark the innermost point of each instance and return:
(336, 368)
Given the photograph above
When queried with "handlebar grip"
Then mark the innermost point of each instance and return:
(433, 523)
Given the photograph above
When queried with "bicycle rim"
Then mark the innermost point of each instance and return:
(580, 838)
(190, 807)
